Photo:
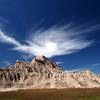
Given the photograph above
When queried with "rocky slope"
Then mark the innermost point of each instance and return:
(44, 73)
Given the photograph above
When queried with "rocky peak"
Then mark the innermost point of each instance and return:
(41, 57)
(42, 72)
(44, 62)
(88, 72)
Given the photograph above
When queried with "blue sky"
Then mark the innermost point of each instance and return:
(71, 28)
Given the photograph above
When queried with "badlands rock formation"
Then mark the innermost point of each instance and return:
(44, 73)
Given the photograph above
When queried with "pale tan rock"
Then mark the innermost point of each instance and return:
(44, 73)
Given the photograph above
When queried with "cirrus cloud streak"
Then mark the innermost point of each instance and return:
(54, 41)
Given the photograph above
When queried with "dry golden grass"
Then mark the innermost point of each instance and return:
(52, 94)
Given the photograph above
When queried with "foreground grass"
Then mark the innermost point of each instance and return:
(52, 94)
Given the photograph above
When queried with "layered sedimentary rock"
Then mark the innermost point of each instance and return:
(44, 73)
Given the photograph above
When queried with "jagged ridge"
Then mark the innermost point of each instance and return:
(44, 73)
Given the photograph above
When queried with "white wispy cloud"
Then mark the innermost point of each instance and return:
(59, 62)
(6, 63)
(2, 20)
(54, 41)
(79, 69)
(93, 66)
(7, 39)
(97, 64)
(26, 57)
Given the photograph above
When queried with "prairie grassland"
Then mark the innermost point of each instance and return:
(52, 94)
